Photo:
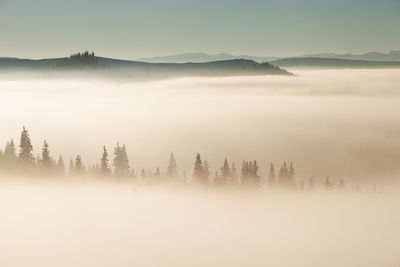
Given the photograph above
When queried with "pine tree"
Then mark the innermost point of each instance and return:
(225, 170)
(71, 169)
(250, 173)
(271, 175)
(46, 159)
(172, 171)
(104, 168)
(25, 153)
(10, 151)
(60, 166)
(198, 169)
(283, 174)
(121, 161)
(234, 174)
(206, 170)
(79, 169)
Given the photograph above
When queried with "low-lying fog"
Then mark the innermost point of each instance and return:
(341, 123)
(100, 224)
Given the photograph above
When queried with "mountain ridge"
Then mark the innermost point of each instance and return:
(204, 57)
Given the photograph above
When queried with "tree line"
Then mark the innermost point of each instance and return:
(80, 60)
(21, 159)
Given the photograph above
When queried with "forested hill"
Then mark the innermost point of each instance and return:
(88, 61)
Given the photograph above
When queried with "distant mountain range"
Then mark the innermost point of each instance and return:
(315, 62)
(203, 57)
(201, 64)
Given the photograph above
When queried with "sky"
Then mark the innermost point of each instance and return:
(132, 29)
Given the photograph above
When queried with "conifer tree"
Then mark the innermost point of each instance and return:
(104, 168)
(271, 175)
(198, 169)
(172, 171)
(60, 166)
(225, 170)
(206, 170)
(283, 174)
(121, 161)
(25, 153)
(10, 151)
(46, 159)
(78, 169)
(234, 174)
(71, 170)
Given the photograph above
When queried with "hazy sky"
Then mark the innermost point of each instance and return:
(137, 28)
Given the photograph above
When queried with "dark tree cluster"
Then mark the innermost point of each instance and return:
(79, 61)
(21, 160)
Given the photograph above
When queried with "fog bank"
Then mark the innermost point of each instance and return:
(342, 123)
(104, 224)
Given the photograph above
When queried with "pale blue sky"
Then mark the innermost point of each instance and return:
(135, 28)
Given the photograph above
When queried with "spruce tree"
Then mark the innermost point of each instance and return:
(206, 170)
(60, 166)
(25, 152)
(10, 151)
(283, 174)
(79, 169)
(198, 169)
(234, 174)
(46, 159)
(104, 168)
(271, 175)
(71, 170)
(121, 161)
(225, 170)
(172, 171)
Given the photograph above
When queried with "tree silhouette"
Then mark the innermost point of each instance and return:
(78, 169)
(271, 175)
(199, 169)
(121, 161)
(234, 174)
(206, 170)
(10, 151)
(46, 162)
(250, 173)
(25, 152)
(172, 171)
(104, 168)
(225, 171)
(60, 166)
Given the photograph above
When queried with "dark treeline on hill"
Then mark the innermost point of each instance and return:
(142, 70)
(79, 61)
(21, 161)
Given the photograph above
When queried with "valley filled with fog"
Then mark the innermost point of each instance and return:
(338, 123)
